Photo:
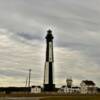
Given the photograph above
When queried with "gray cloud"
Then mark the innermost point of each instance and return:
(75, 26)
(28, 36)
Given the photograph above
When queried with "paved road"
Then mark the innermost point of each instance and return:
(19, 98)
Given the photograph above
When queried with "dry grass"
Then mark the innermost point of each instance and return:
(54, 96)
(96, 97)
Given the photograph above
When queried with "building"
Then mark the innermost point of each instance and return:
(48, 70)
(75, 90)
(62, 89)
(87, 87)
(36, 89)
(68, 90)
(98, 90)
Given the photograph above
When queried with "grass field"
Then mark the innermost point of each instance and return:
(96, 97)
(54, 96)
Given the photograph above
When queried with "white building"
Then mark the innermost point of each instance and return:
(36, 89)
(75, 90)
(67, 90)
(87, 87)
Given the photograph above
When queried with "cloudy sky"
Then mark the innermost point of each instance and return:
(76, 28)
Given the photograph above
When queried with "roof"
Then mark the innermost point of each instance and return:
(36, 86)
(76, 87)
(88, 82)
(63, 86)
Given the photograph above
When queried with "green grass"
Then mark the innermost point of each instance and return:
(96, 97)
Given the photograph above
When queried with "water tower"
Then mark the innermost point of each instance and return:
(69, 82)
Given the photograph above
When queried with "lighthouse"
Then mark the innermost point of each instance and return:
(49, 63)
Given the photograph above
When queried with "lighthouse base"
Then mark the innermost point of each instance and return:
(49, 87)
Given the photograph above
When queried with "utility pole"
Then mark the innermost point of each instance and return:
(26, 82)
(29, 77)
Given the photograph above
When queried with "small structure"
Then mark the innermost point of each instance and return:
(87, 87)
(75, 89)
(67, 90)
(36, 89)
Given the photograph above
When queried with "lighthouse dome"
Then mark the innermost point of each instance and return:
(49, 35)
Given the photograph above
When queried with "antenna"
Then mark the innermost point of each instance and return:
(26, 82)
(29, 77)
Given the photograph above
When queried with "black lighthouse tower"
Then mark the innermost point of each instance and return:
(48, 71)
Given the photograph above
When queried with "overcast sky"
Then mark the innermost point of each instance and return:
(76, 28)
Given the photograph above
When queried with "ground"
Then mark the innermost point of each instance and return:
(73, 98)
(48, 96)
